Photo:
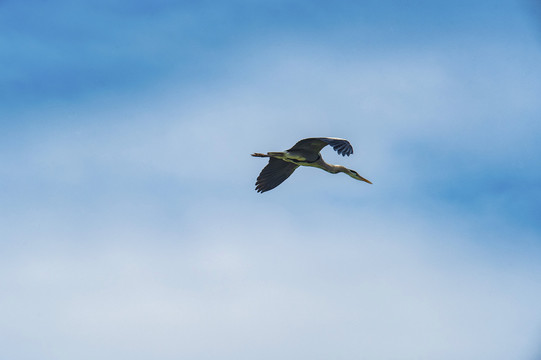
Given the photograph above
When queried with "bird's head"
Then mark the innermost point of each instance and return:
(354, 174)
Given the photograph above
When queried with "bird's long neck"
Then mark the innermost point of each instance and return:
(333, 169)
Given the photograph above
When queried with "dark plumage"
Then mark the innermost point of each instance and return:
(275, 173)
(314, 145)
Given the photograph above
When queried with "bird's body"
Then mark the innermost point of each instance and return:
(306, 152)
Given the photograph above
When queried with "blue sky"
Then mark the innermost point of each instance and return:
(129, 222)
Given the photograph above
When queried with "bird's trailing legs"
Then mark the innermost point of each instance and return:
(274, 154)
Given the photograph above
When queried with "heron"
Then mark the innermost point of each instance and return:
(306, 152)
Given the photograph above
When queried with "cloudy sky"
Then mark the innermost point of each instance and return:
(129, 224)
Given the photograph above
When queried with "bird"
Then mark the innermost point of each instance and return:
(305, 152)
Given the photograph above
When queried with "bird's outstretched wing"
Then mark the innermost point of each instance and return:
(341, 146)
(274, 174)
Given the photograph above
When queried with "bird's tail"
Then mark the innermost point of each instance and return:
(259, 155)
(278, 154)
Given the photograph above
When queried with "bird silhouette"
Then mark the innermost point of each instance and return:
(306, 152)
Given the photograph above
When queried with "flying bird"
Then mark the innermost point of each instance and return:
(304, 153)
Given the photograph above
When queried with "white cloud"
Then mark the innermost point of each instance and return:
(238, 283)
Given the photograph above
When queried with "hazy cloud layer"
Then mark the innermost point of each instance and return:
(129, 225)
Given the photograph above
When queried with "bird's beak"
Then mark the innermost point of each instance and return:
(363, 179)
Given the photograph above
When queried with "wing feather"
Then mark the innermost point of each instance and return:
(275, 173)
(341, 146)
